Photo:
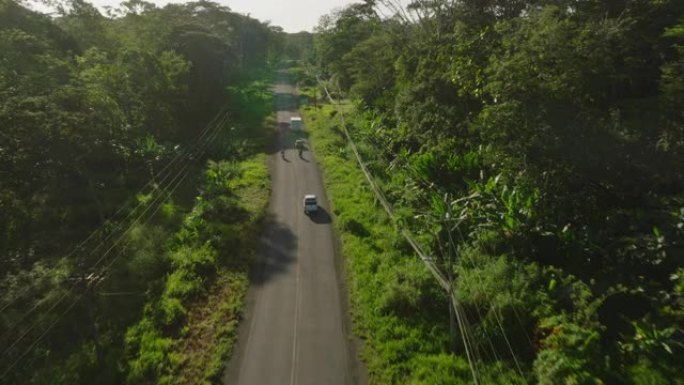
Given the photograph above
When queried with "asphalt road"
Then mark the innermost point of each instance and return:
(296, 329)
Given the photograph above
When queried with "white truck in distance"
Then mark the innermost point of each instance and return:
(295, 123)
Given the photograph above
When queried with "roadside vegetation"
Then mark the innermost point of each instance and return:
(187, 330)
(133, 182)
(398, 311)
(132, 186)
(554, 130)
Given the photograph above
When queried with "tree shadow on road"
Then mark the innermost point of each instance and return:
(277, 250)
(285, 139)
(285, 101)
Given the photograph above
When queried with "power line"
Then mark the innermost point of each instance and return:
(66, 293)
(432, 186)
(496, 315)
(97, 281)
(428, 261)
(466, 342)
(388, 208)
(45, 332)
(123, 235)
(437, 274)
(151, 183)
(184, 172)
(101, 278)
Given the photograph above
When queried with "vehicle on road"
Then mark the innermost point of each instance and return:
(310, 204)
(295, 123)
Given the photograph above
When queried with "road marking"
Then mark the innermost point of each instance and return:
(295, 345)
(251, 325)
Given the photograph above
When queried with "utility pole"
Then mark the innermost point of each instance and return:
(88, 284)
(452, 312)
(92, 281)
(453, 315)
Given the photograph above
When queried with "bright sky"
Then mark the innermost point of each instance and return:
(291, 15)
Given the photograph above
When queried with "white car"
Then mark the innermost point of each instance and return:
(310, 204)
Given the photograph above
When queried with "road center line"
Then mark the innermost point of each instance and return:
(295, 348)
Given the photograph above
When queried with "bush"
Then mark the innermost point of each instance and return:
(171, 311)
(183, 284)
(440, 369)
(570, 354)
(149, 354)
(198, 260)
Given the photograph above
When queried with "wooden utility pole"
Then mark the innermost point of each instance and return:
(450, 276)
(89, 283)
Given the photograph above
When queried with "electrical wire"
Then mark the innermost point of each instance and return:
(184, 172)
(64, 296)
(436, 273)
(151, 182)
(432, 186)
(121, 237)
(431, 266)
(103, 273)
(45, 332)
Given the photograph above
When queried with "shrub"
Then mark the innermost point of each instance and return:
(183, 284)
(148, 353)
(439, 369)
(569, 354)
(199, 260)
(171, 311)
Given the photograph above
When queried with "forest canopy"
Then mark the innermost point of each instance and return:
(550, 131)
(107, 119)
(556, 129)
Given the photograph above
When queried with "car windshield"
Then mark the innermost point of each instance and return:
(310, 201)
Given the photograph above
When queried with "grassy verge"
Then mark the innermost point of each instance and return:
(188, 331)
(189, 322)
(211, 329)
(398, 310)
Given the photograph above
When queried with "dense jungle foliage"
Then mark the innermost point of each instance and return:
(131, 184)
(555, 129)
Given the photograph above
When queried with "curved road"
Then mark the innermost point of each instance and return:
(295, 331)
